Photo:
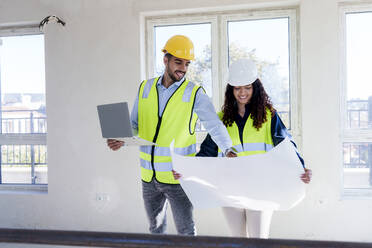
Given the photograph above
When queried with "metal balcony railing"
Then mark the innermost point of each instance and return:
(23, 121)
(22, 156)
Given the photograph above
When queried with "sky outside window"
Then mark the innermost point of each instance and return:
(359, 55)
(22, 64)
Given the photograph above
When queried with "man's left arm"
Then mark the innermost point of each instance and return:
(204, 108)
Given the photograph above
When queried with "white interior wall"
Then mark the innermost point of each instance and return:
(95, 59)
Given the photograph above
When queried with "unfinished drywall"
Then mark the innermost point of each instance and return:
(95, 59)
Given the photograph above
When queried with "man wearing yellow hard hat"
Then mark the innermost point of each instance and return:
(166, 109)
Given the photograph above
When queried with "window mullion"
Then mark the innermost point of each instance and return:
(224, 57)
(216, 53)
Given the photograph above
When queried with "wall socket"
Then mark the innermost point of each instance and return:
(102, 197)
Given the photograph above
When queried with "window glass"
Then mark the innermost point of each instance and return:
(358, 67)
(357, 165)
(22, 109)
(266, 42)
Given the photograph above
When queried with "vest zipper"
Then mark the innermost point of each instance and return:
(153, 147)
(242, 139)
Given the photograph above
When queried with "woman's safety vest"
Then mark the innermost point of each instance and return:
(176, 123)
(254, 142)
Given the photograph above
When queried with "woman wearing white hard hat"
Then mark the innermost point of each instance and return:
(254, 127)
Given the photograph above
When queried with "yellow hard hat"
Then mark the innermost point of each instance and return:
(180, 46)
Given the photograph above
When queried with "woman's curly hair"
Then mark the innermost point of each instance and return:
(259, 102)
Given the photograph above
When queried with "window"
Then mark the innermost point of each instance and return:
(267, 37)
(356, 101)
(23, 126)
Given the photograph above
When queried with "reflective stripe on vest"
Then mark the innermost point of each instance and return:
(165, 151)
(176, 123)
(158, 166)
(255, 141)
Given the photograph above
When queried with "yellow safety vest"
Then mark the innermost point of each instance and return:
(176, 123)
(254, 142)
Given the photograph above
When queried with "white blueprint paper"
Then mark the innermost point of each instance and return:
(258, 182)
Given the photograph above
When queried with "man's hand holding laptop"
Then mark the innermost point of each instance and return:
(116, 126)
(114, 144)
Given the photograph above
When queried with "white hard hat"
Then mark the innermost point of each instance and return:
(242, 72)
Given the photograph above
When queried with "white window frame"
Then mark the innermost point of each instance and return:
(22, 139)
(349, 135)
(219, 46)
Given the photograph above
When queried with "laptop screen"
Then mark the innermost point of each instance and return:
(115, 120)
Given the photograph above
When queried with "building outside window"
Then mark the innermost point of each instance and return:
(23, 124)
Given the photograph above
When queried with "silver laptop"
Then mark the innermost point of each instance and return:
(115, 124)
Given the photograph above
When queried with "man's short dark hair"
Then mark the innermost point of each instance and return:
(168, 56)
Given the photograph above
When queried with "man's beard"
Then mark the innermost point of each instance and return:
(171, 75)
